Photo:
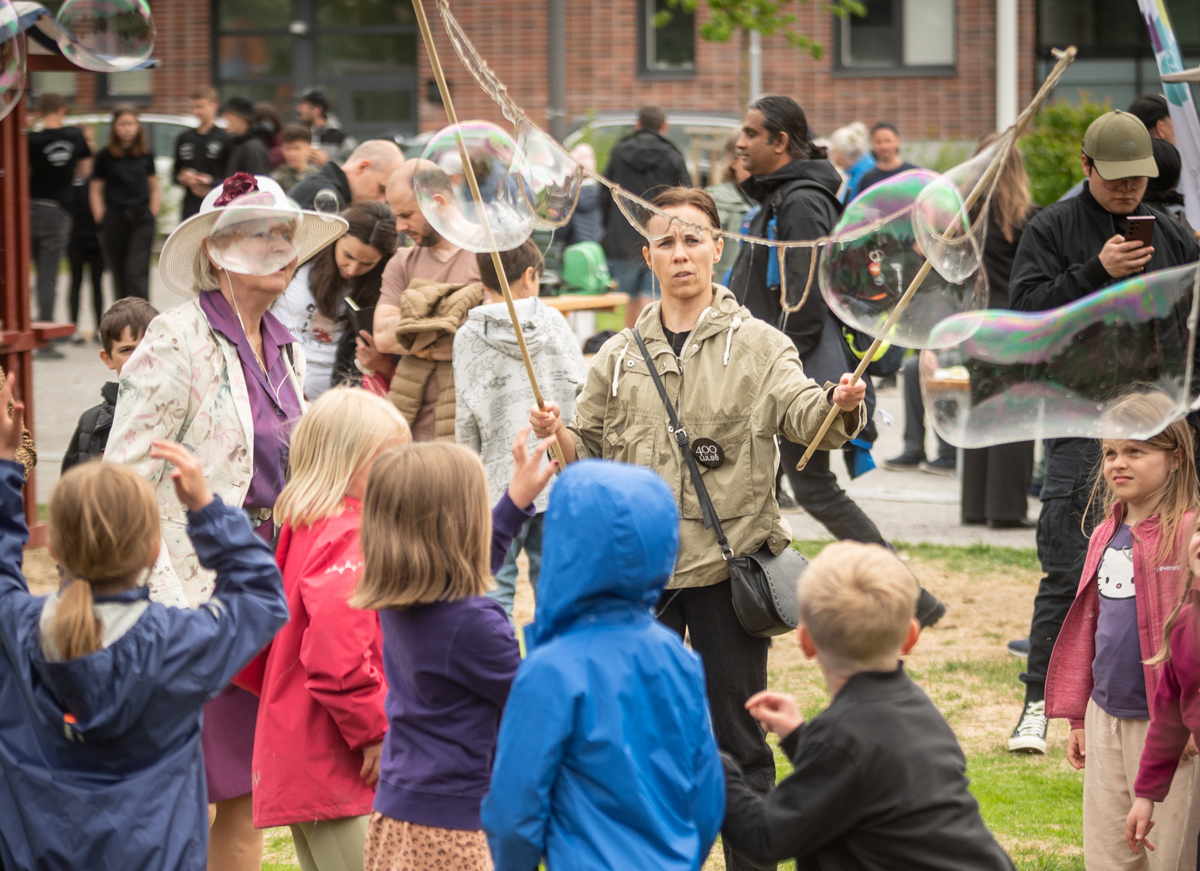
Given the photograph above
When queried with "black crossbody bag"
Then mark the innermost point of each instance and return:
(763, 584)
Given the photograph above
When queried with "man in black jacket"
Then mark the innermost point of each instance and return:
(1071, 249)
(645, 163)
(797, 187)
(364, 176)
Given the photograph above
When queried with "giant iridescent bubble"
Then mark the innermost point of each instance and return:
(1001, 376)
(873, 256)
(106, 36)
(551, 177)
(12, 58)
(444, 195)
(943, 222)
(255, 234)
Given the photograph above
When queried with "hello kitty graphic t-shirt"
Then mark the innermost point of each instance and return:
(1118, 682)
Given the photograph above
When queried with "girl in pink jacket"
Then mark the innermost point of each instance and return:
(1099, 677)
(321, 720)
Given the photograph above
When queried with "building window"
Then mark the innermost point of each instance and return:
(666, 41)
(135, 86)
(904, 36)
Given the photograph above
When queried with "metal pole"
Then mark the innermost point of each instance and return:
(1006, 63)
(756, 85)
(556, 67)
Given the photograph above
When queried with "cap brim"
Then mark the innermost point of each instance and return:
(177, 262)
(1192, 75)
(1114, 170)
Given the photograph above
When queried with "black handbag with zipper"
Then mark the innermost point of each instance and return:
(763, 584)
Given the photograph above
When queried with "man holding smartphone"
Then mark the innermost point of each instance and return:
(1071, 249)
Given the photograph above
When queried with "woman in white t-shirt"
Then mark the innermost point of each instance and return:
(314, 305)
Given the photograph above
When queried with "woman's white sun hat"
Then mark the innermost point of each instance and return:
(178, 261)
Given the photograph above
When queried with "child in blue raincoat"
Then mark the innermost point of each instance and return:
(606, 756)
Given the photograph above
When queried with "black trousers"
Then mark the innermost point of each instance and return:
(1062, 550)
(89, 255)
(735, 668)
(914, 415)
(819, 493)
(126, 234)
(995, 482)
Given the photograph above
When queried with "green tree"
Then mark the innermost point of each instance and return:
(743, 17)
(1051, 147)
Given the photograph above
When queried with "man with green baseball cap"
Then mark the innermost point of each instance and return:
(1069, 250)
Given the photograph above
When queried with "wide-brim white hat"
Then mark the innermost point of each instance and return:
(177, 263)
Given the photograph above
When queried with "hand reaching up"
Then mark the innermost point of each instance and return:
(12, 424)
(529, 478)
(775, 712)
(187, 476)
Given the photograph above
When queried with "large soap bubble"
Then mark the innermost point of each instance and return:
(1002, 376)
(12, 58)
(444, 195)
(551, 177)
(255, 234)
(943, 224)
(106, 36)
(872, 257)
(477, 66)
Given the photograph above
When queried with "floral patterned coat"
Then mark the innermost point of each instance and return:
(185, 383)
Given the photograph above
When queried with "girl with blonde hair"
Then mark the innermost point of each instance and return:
(1101, 676)
(430, 549)
(321, 684)
(102, 689)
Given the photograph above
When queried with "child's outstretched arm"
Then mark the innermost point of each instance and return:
(19, 611)
(1166, 738)
(212, 644)
(528, 481)
(537, 724)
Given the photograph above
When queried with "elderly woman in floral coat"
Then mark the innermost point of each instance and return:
(223, 376)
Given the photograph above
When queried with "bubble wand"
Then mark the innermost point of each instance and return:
(473, 183)
(993, 169)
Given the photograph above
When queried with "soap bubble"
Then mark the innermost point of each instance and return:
(106, 36)
(327, 204)
(12, 58)
(255, 234)
(649, 220)
(1001, 376)
(477, 66)
(873, 256)
(945, 232)
(445, 199)
(551, 177)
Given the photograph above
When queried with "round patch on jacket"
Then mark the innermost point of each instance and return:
(708, 453)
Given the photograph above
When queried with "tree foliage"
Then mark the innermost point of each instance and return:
(1051, 147)
(763, 16)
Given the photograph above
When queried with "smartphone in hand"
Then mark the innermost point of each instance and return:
(1139, 227)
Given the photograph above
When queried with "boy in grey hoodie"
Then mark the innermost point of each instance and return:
(493, 390)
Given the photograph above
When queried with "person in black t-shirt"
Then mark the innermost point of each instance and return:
(84, 250)
(885, 145)
(54, 154)
(124, 197)
(200, 154)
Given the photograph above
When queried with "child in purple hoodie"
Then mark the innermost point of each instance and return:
(449, 651)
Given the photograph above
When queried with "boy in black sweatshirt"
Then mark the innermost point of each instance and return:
(879, 781)
(121, 331)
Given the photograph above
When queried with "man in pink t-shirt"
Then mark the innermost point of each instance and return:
(430, 257)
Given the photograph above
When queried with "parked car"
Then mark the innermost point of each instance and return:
(161, 133)
(700, 137)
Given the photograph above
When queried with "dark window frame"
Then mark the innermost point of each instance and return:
(643, 36)
(102, 98)
(897, 69)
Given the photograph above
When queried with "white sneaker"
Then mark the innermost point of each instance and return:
(1030, 734)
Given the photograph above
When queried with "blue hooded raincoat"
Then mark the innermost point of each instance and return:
(100, 755)
(606, 756)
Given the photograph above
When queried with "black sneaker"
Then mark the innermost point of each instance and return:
(785, 500)
(1030, 734)
(940, 466)
(903, 462)
(930, 609)
(1018, 648)
(78, 339)
(48, 353)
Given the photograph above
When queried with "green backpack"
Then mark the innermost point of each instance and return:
(585, 269)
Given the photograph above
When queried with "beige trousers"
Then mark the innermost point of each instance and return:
(1113, 749)
(331, 845)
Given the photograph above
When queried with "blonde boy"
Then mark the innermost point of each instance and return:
(879, 778)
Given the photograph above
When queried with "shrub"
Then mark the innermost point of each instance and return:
(1051, 147)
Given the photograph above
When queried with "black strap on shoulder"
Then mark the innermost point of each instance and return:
(685, 447)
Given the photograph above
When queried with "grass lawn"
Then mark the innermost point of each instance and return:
(1031, 803)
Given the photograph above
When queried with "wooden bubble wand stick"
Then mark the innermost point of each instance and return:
(1064, 60)
(489, 237)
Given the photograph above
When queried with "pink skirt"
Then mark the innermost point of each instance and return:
(227, 737)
